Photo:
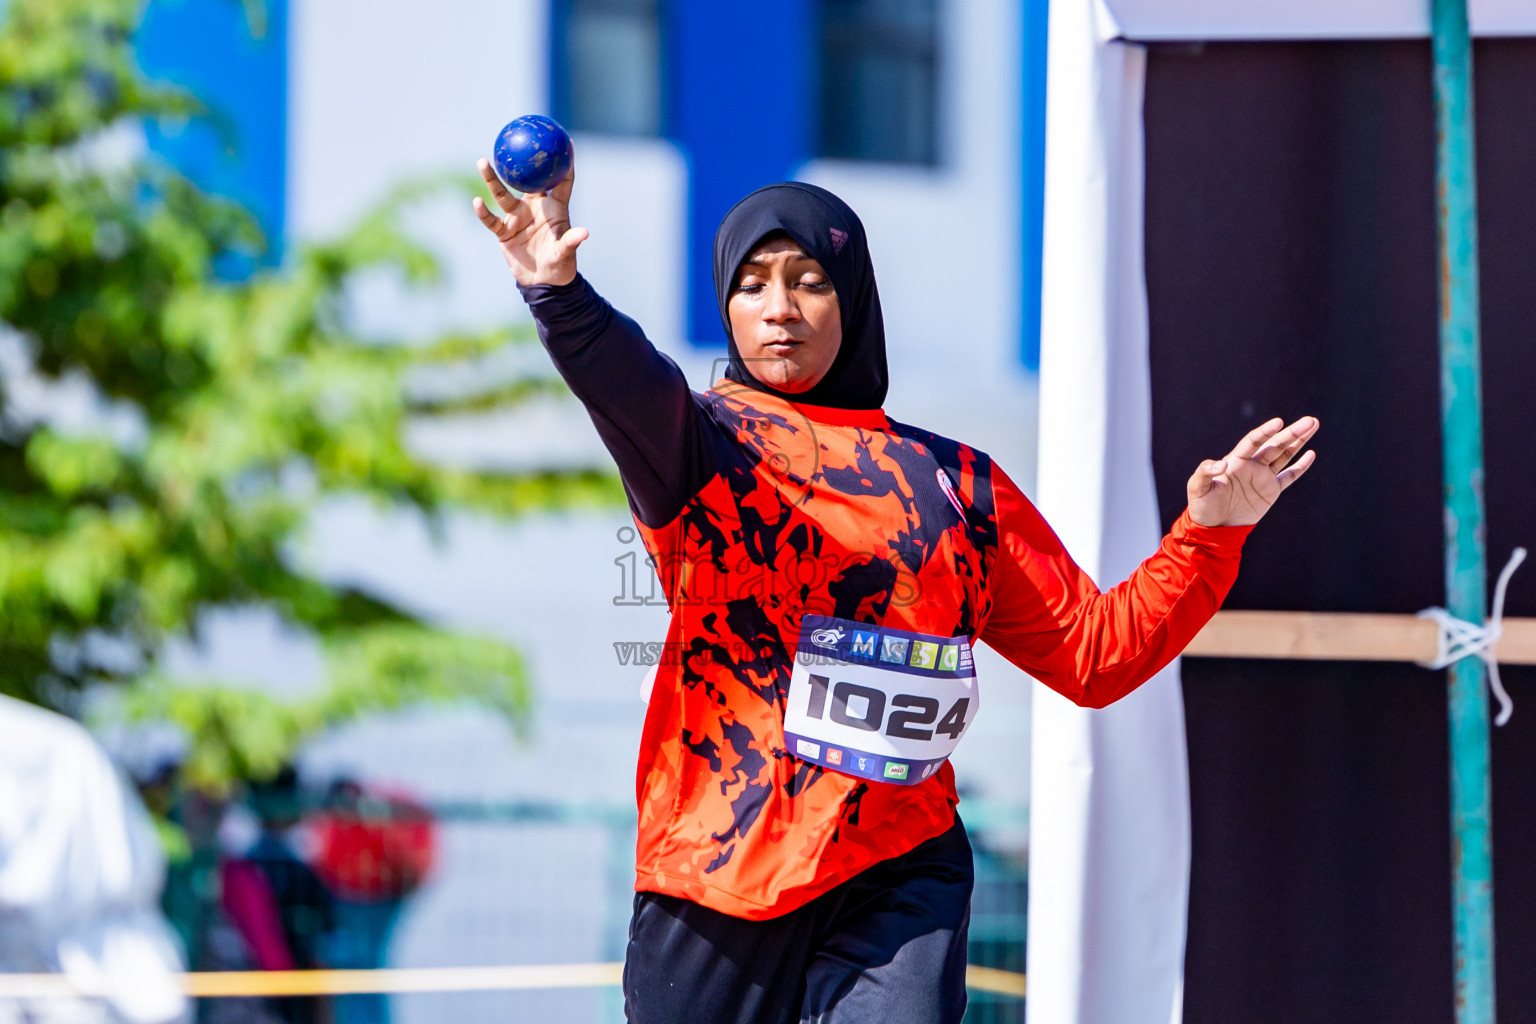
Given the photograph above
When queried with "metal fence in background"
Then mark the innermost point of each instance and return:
(519, 882)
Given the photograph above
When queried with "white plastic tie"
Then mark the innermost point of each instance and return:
(1462, 639)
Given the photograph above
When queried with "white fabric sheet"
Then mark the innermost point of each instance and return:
(80, 876)
(1109, 801)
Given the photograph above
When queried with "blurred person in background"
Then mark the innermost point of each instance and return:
(81, 868)
(158, 780)
(188, 821)
(278, 903)
(793, 862)
(372, 849)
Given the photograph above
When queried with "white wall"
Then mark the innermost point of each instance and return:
(946, 246)
(388, 90)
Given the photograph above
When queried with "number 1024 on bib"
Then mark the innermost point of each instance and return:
(882, 704)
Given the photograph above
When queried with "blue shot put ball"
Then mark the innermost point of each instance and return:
(533, 154)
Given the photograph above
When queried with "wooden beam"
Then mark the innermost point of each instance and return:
(1342, 636)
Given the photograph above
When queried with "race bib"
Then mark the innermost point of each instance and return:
(878, 703)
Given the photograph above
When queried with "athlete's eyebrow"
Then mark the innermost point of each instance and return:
(761, 260)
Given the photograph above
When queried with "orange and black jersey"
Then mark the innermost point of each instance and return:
(759, 511)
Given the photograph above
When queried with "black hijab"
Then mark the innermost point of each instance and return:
(829, 232)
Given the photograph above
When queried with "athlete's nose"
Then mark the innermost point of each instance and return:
(780, 306)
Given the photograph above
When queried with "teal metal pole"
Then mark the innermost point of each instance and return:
(1465, 560)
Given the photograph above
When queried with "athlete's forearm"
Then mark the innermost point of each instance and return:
(1122, 638)
(637, 397)
(1049, 618)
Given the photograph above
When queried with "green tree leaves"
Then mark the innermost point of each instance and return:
(246, 404)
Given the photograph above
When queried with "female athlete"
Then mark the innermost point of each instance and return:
(827, 569)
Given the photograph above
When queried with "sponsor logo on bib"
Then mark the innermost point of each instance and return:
(891, 706)
(828, 638)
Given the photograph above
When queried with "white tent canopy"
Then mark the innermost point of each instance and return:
(1211, 20)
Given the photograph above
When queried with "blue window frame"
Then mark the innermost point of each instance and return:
(879, 80)
(608, 66)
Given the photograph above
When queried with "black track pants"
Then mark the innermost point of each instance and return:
(885, 947)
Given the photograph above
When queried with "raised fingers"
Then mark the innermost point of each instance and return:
(1250, 445)
(562, 191)
(505, 228)
(487, 218)
(1291, 475)
(1282, 448)
(1270, 444)
(504, 198)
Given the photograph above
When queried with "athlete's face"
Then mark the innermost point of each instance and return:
(784, 316)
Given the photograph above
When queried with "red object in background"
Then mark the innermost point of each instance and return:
(373, 846)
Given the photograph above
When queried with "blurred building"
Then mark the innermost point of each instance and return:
(926, 115)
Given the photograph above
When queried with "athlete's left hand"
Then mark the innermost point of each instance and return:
(1239, 489)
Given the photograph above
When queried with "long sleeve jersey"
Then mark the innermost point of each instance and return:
(759, 512)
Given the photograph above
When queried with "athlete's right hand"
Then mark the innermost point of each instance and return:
(534, 229)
